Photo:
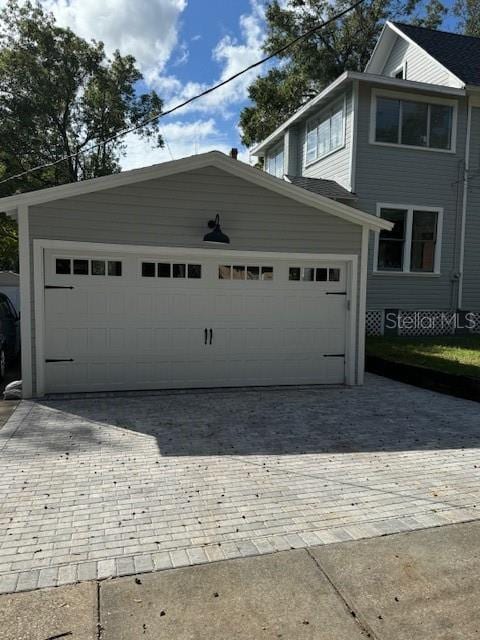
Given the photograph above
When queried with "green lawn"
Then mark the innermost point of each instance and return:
(458, 355)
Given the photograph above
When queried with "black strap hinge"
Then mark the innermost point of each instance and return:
(336, 293)
(59, 360)
(55, 286)
(334, 355)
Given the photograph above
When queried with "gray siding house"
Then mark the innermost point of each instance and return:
(401, 141)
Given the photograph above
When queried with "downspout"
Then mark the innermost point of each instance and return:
(354, 134)
(464, 205)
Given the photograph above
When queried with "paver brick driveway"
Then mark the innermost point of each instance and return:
(95, 487)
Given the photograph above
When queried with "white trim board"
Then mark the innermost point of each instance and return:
(210, 159)
(39, 246)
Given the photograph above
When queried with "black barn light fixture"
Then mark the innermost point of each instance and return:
(216, 235)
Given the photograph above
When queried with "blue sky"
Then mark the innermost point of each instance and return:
(181, 47)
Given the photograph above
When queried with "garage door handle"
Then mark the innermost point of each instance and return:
(211, 335)
(206, 336)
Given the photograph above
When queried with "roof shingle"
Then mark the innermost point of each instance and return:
(327, 188)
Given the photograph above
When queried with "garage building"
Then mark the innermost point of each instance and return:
(124, 285)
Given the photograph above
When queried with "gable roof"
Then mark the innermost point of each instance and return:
(459, 54)
(328, 188)
(216, 159)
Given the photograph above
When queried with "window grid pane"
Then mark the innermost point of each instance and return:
(164, 270)
(195, 271)
(98, 267)
(414, 123)
(179, 271)
(114, 268)
(148, 269)
(325, 135)
(424, 236)
(441, 126)
(80, 267)
(63, 266)
(391, 245)
(253, 273)
(387, 120)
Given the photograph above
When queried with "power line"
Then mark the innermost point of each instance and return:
(214, 87)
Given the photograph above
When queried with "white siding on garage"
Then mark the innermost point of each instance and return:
(173, 211)
(420, 66)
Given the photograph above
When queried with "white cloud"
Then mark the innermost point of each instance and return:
(233, 55)
(147, 29)
(182, 139)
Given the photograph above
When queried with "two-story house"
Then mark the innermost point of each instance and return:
(401, 140)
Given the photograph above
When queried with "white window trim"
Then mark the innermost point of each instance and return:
(401, 67)
(400, 95)
(273, 153)
(330, 109)
(410, 208)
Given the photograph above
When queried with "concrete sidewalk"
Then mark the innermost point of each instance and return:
(421, 585)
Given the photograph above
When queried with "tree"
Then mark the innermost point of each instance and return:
(468, 12)
(59, 95)
(303, 70)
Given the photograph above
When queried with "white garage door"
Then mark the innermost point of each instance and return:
(126, 321)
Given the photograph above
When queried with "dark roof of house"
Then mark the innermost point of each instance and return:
(326, 188)
(459, 54)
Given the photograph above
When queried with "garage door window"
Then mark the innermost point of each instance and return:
(63, 266)
(312, 274)
(168, 270)
(98, 267)
(244, 272)
(85, 267)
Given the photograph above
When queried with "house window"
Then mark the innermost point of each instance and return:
(275, 160)
(326, 133)
(413, 245)
(413, 123)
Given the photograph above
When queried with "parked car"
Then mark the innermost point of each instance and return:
(9, 333)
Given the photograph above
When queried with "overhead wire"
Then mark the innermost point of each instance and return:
(184, 103)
